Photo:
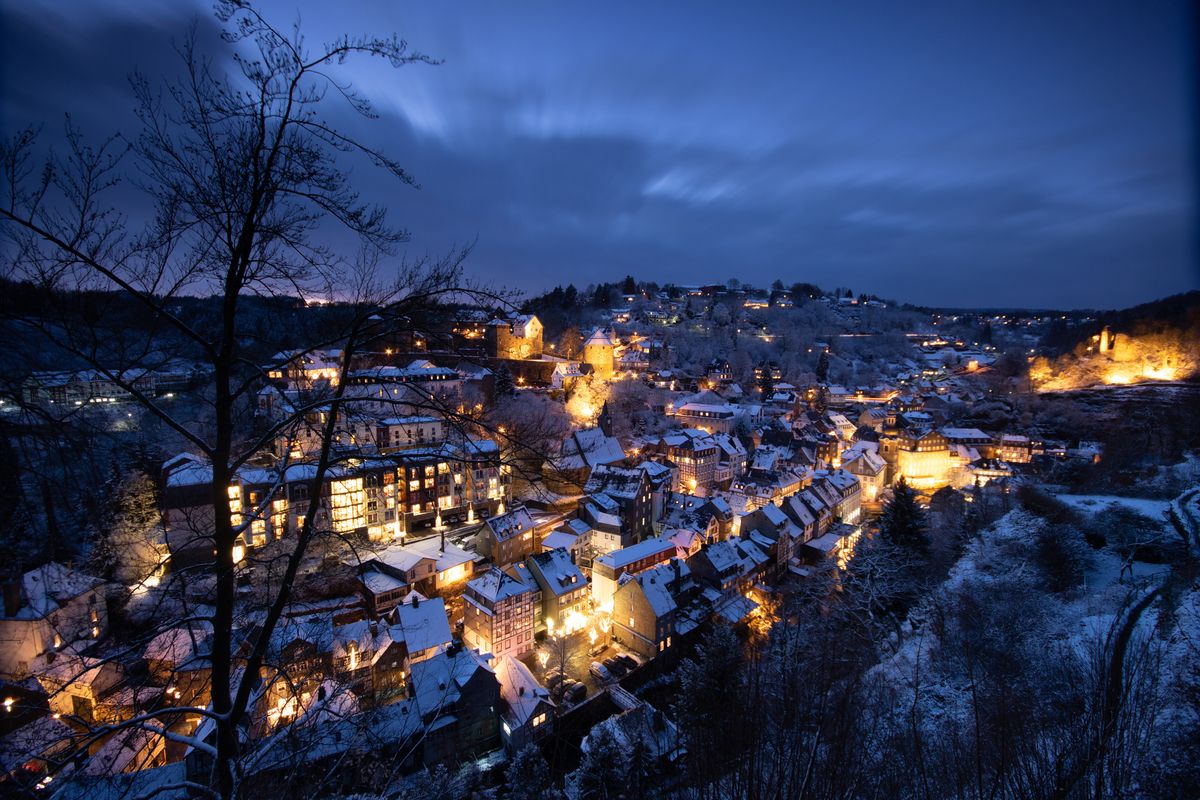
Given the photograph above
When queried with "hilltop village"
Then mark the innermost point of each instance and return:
(529, 519)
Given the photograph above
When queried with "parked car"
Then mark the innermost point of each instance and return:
(615, 667)
(552, 683)
(575, 692)
(629, 661)
(600, 671)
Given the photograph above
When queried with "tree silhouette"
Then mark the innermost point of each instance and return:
(903, 520)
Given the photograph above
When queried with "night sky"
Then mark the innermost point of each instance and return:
(972, 154)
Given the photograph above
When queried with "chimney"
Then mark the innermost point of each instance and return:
(415, 601)
(442, 547)
(520, 691)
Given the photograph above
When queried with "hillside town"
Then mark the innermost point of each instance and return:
(480, 594)
(376, 422)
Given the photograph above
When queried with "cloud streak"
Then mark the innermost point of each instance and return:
(938, 154)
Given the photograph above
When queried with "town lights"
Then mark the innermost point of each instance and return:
(574, 622)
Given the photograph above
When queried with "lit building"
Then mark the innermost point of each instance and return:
(608, 568)
(710, 417)
(1015, 449)
(517, 339)
(922, 457)
(646, 610)
(500, 614)
(599, 351)
(528, 712)
(46, 610)
(564, 589)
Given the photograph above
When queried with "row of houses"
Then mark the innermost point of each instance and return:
(381, 497)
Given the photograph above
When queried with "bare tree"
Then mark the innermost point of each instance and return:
(242, 170)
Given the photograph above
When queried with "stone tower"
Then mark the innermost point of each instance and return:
(598, 351)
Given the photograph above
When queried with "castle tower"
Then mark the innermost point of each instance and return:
(599, 351)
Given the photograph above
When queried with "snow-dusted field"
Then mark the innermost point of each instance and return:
(1154, 509)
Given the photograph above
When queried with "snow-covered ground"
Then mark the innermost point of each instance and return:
(1105, 571)
(1154, 509)
(1074, 625)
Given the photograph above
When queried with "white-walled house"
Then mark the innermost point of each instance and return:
(48, 609)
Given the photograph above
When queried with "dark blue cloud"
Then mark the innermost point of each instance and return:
(1019, 154)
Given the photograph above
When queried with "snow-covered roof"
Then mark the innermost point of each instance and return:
(561, 574)
(520, 690)
(560, 539)
(316, 630)
(371, 639)
(722, 410)
(799, 512)
(825, 543)
(774, 515)
(177, 646)
(656, 586)
(683, 538)
(50, 586)
(616, 482)
(647, 548)
(496, 585)
(600, 337)
(590, 447)
(445, 555)
(377, 581)
(424, 624)
(438, 681)
(972, 434)
(513, 523)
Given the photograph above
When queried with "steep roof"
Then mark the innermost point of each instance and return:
(424, 624)
(520, 690)
(590, 447)
(445, 555)
(514, 523)
(496, 585)
(600, 337)
(617, 482)
(51, 586)
(560, 573)
(438, 682)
